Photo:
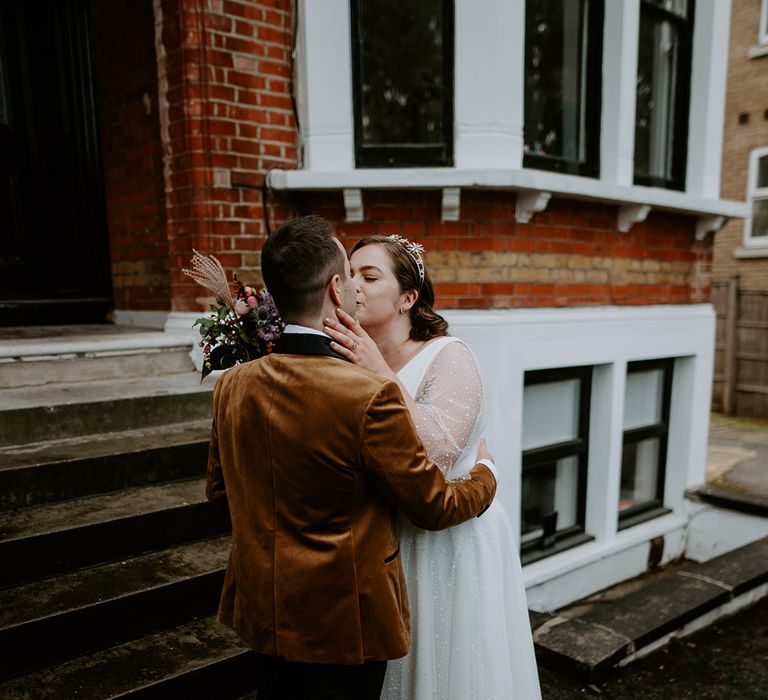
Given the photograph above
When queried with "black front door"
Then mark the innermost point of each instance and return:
(54, 259)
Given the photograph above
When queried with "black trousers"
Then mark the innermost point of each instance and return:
(277, 679)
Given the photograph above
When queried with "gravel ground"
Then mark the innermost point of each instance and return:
(727, 661)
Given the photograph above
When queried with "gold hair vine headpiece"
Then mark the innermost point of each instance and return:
(415, 250)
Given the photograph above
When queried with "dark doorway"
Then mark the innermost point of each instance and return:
(54, 258)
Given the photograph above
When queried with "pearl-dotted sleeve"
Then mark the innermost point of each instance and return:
(448, 402)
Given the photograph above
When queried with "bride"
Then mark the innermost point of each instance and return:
(471, 637)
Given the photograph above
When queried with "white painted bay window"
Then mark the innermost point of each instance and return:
(663, 92)
(563, 71)
(402, 57)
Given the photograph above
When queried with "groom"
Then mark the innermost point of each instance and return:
(315, 456)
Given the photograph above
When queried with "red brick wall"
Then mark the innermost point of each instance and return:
(226, 118)
(125, 76)
(229, 119)
(569, 255)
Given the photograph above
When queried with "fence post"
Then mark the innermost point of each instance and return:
(729, 352)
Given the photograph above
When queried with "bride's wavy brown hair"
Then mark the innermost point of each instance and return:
(425, 322)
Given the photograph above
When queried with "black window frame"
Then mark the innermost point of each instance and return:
(404, 155)
(685, 27)
(648, 510)
(552, 542)
(590, 167)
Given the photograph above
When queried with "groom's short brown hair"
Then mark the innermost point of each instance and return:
(297, 262)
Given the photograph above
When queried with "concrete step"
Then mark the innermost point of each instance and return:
(82, 356)
(199, 659)
(59, 470)
(587, 639)
(101, 606)
(65, 410)
(44, 540)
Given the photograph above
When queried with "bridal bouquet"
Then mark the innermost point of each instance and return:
(243, 326)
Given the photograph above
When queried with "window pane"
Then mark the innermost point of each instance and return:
(759, 217)
(762, 172)
(550, 413)
(639, 473)
(656, 87)
(679, 7)
(555, 95)
(549, 499)
(642, 399)
(402, 70)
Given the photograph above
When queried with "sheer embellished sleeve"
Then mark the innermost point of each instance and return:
(448, 404)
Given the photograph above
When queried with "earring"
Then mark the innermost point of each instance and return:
(402, 309)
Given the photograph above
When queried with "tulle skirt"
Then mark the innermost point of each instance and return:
(471, 636)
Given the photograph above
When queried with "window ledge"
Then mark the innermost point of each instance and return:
(569, 186)
(758, 50)
(586, 554)
(756, 252)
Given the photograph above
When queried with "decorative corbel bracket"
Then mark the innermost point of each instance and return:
(631, 214)
(451, 204)
(353, 203)
(707, 224)
(528, 203)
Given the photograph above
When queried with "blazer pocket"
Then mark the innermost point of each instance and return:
(392, 556)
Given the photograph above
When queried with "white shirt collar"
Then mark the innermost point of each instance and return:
(295, 328)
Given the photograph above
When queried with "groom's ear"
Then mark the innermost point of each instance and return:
(334, 289)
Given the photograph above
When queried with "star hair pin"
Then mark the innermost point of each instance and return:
(415, 250)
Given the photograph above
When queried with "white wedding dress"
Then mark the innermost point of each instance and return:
(471, 637)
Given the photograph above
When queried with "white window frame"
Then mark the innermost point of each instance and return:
(489, 110)
(762, 37)
(753, 193)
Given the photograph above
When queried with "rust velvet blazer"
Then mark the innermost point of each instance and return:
(315, 457)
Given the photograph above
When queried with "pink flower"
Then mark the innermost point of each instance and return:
(252, 302)
(241, 308)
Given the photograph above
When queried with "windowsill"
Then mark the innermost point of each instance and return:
(586, 554)
(756, 252)
(569, 186)
(561, 546)
(758, 50)
(642, 517)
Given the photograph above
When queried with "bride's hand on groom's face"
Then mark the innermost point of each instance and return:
(351, 342)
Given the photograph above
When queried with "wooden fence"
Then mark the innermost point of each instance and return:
(741, 350)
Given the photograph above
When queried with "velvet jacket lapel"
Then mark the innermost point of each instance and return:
(306, 344)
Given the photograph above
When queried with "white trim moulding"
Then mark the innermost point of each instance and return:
(557, 184)
(708, 224)
(631, 214)
(529, 203)
(353, 203)
(451, 206)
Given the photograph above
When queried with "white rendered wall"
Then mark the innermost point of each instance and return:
(510, 342)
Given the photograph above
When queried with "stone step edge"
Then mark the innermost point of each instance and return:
(239, 666)
(730, 499)
(727, 602)
(25, 351)
(175, 431)
(226, 669)
(136, 560)
(174, 597)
